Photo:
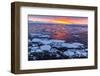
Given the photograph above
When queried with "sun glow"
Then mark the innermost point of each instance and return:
(62, 22)
(59, 20)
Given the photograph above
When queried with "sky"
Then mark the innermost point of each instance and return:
(58, 19)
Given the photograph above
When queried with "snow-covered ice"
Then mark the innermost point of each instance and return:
(40, 47)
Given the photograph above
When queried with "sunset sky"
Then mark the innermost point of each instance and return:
(58, 19)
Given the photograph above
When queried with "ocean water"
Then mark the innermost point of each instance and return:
(57, 41)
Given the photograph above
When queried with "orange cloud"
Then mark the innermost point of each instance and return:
(60, 20)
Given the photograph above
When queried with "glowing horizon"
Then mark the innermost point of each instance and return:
(58, 19)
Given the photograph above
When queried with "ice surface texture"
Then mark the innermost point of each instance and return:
(46, 49)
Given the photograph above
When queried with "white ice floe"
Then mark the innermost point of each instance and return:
(36, 40)
(78, 44)
(57, 55)
(84, 53)
(45, 42)
(45, 47)
(72, 45)
(75, 53)
(33, 49)
(53, 50)
(39, 50)
(78, 53)
(33, 45)
(68, 45)
(58, 41)
(69, 53)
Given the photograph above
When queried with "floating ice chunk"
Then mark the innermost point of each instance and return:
(35, 34)
(81, 53)
(45, 47)
(78, 53)
(34, 58)
(69, 53)
(58, 41)
(44, 36)
(68, 45)
(53, 50)
(39, 50)
(33, 49)
(85, 54)
(78, 44)
(34, 45)
(72, 45)
(46, 42)
(57, 55)
(36, 40)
